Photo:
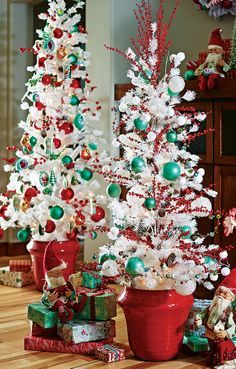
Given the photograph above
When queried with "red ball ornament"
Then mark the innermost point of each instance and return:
(1, 233)
(67, 194)
(71, 235)
(50, 226)
(30, 193)
(67, 127)
(57, 143)
(41, 62)
(46, 80)
(85, 154)
(39, 105)
(98, 215)
(58, 33)
(75, 83)
(79, 218)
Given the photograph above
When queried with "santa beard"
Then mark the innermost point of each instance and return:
(217, 308)
(214, 58)
(55, 282)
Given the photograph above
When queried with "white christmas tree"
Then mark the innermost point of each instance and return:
(155, 239)
(50, 194)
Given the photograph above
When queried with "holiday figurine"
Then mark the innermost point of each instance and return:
(58, 294)
(214, 65)
(218, 319)
(229, 222)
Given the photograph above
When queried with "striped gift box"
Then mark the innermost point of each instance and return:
(20, 265)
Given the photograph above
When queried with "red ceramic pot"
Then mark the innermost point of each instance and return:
(155, 322)
(65, 250)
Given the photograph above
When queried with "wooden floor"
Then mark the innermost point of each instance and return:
(14, 327)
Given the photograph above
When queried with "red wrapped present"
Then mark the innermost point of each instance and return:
(38, 331)
(109, 353)
(20, 265)
(55, 344)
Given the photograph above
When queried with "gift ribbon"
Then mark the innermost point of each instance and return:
(112, 349)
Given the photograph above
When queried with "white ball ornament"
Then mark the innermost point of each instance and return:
(106, 168)
(214, 277)
(110, 268)
(185, 288)
(223, 255)
(176, 84)
(136, 100)
(122, 107)
(181, 56)
(151, 136)
(225, 271)
(115, 143)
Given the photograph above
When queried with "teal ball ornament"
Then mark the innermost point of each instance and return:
(79, 121)
(56, 212)
(137, 164)
(140, 124)
(187, 232)
(74, 100)
(134, 266)
(171, 136)
(21, 164)
(171, 171)
(72, 58)
(86, 174)
(23, 235)
(66, 160)
(113, 190)
(172, 93)
(93, 146)
(150, 203)
(33, 141)
(189, 74)
(93, 235)
(105, 257)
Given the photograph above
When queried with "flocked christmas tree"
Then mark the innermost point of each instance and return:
(50, 194)
(155, 239)
(233, 48)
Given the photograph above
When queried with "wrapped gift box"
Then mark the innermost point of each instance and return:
(38, 331)
(91, 279)
(15, 279)
(39, 314)
(197, 344)
(109, 353)
(76, 331)
(55, 344)
(198, 307)
(100, 305)
(20, 265)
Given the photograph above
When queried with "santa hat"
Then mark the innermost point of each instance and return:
(230, 281)
(51, 261)
(216, 40)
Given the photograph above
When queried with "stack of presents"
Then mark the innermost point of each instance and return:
(17, 274)
(90, 331)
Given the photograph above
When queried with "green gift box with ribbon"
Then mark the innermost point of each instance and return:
(196, 344)
(100, 305)
(91, 279)
(39, 314)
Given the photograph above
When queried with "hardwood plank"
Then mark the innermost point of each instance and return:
(14, 326)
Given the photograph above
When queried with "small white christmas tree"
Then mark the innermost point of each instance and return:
(156, 242)
(50, 194)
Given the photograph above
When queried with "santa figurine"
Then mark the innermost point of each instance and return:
(214, 65)
(218, 319)
(58, 294)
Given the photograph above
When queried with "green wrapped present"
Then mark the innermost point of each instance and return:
(197, 344)
(91, 279)
(39, 314)
(100, 305)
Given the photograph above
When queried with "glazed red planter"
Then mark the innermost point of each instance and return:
(64, 250)
(155, 322)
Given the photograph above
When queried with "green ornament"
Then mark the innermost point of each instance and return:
(105, 257)
(171, 171)
(33, 141)
(113, 190)
(93, 235)
(188, 230)
(47, 191)
(74, 100)
(35, 97)
(137, 164)
(79, 121)
(41, 231)
(52, 178)
(66, 160)
(171, 136)
(75, 28)
(189, 74)
(150, 203)
(74, 180)
(120, 226)
(86, 174)
(134, 266)
(54, 156)
(56, 212)
(171, 93)
(93, 146)
(60, 12)
(140, 124)
(23, 235)
(72, 58)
